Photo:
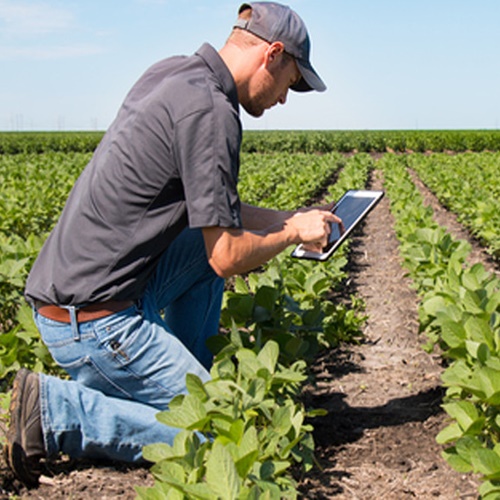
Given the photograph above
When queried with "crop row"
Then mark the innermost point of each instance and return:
(34, 189)
(242, 431)
(48, 142)
(460, 312)
(279, 180)
(469, 185)
(297, 141)
(373, 141)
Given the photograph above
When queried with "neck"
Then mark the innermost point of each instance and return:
(242, 63)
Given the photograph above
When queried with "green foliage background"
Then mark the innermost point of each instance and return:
(249, 419)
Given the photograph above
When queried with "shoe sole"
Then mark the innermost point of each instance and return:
(13, 450)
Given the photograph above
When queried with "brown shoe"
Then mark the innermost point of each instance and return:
(25, 446)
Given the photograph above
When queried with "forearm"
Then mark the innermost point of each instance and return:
(234, 252)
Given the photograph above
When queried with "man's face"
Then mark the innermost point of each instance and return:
(270, 85)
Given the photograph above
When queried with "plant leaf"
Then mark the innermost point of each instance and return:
(222, 475)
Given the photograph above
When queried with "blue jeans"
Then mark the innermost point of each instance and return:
(126, 367)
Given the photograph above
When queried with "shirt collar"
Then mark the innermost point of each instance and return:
(218, 67)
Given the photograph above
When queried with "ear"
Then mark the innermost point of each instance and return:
(274, 53)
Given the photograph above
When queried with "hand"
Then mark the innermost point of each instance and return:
(313, 226)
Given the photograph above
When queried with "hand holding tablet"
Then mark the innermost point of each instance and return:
(352, 208)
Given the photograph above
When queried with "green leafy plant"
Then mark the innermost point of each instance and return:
(242, 430)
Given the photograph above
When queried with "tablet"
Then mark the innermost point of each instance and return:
(352, 208)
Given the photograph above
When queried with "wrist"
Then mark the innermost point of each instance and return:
(291, 233)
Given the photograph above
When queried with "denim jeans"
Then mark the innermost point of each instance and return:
(126, 367)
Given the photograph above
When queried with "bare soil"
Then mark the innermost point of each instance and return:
(383, 398)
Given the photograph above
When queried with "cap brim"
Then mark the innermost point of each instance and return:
(310, 79)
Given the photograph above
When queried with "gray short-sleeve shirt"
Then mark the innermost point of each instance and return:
(170, 159)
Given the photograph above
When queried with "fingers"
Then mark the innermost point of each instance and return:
(334, 218)
(329, 219)
(314, 227)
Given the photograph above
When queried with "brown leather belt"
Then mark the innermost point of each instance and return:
(87, 313)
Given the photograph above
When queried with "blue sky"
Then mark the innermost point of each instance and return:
(388, 64)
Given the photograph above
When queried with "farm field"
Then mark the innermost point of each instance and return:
(368, 369)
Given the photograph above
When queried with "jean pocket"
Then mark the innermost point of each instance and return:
(53, 333)
(119, 334)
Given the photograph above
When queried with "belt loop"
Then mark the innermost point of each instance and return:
(74, 323)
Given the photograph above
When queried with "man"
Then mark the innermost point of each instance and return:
(154, 223)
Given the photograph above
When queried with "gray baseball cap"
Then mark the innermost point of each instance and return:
(274, 22)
